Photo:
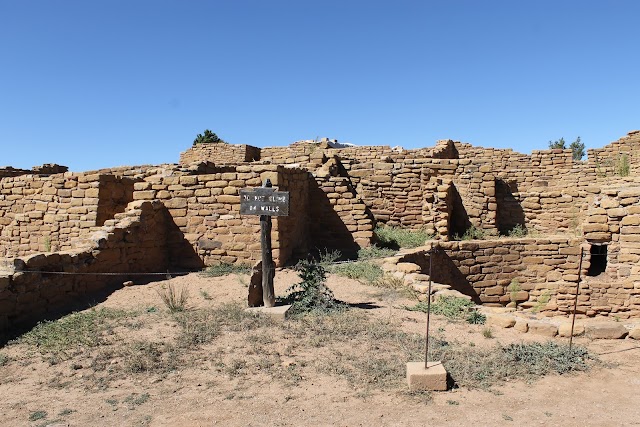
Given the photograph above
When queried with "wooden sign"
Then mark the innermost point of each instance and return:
(264, 201)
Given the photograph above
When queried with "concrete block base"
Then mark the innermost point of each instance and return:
(279, 312)
(434, 377)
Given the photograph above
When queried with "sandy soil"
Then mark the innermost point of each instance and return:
(198, 395)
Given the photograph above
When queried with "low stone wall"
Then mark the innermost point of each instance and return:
(134, 242)
(539, 274)
(220, 153)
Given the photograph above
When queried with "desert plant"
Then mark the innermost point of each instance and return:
(451, 307)
(311, 294)
(147, 356)
(622, 166)
(543, 299)
(471, 233)
(174, 300)
(374, 251)
(328, 257)
(518, 231)
(365, 271)
(513, 288)
(62, 337)
(208, 138)
(487, 333)
(398, 237)
(4, 359)
(476, 318)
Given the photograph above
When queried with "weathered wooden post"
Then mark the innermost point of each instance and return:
(265, 202)
(268, 294)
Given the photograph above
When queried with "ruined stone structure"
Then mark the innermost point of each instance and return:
(338, 195)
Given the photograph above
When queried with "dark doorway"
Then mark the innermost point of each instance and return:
(598, 260)
(509, 215)
(459, 221)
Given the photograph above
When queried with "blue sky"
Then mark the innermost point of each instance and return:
(93, 84)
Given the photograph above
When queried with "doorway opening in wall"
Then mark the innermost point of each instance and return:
(459, 221)
(597, 259)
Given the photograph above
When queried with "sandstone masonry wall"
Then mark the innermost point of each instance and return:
(134, 242)
(220, 153)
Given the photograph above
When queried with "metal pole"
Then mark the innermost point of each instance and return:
(426, 348)
(575, 301)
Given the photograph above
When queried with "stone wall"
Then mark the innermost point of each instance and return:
(220, 153)
(205, 212)
(134, 242)
(540, 274)
(43, 213)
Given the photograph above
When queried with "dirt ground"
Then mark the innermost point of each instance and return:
(36, 392)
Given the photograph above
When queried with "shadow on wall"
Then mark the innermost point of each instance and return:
(458, 219)
(182, 255)
(444, 271)
(326, 228)
(509, 212)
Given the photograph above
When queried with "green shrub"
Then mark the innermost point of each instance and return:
(397, 237)
(476, 318)
(450, 307)
(374, 251)
(622, 167)
(518, 231)
(208, 138)
(311, 294)
(472, 233)
(174, 300)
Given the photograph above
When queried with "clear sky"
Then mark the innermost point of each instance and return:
(102, 83)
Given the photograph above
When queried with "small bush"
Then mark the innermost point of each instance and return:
(476, 318)
(450, 307)
(622, 167)
(311, 294)
(4, 359)
(374, 251)
(174, 300)
(328, 257)
(518, 231)
(472, 233)
(364, 271)
(397, 237)
(224, 269)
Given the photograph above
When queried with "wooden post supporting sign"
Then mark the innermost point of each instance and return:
(265, 202)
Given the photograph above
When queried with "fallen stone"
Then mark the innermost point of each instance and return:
(543, 328)
(501, 321)
(521, 326)
(564, 330)
(606, 331)
(635, 333)
(128, 283)
(279, 312)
